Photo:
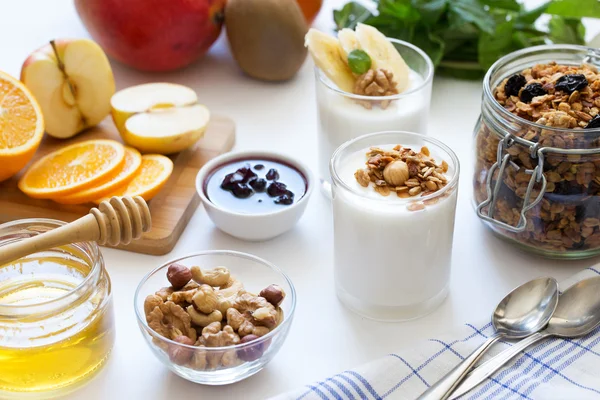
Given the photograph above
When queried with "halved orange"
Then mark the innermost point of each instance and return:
(149, 179)
(73, 168)
(21, 126)
(133, 160)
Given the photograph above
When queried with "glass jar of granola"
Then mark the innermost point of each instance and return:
(537, 167)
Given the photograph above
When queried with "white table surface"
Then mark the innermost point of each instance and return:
(282, 117)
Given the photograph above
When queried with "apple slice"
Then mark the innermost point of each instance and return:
(73, 82)
(159, 118)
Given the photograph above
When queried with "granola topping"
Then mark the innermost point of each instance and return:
(402, 171)
(551, 88)
(566, 219)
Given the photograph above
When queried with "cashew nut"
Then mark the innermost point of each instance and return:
(231, 288)
(227, 294)
(216, 277)
(203, 320)
(205, 299)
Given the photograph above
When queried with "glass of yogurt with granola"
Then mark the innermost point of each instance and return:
(394, 201)
(366, 83)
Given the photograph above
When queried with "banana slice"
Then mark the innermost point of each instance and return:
(328, 56)
(349, 41)
(383, 54)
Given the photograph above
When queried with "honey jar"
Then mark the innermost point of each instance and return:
(56, 316)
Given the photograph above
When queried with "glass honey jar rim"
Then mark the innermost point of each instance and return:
(87, 284)
(516, 61)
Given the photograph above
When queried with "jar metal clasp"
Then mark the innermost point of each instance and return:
(592, 57)
(503, 160)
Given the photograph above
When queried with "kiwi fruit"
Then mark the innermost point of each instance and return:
(266, 37)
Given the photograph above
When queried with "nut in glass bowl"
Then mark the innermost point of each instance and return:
(223, 324)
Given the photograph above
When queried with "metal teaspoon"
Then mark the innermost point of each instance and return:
(577, 314)
(523, 312)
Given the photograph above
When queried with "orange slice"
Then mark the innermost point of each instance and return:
(21, 126)
(149, 179)
(133, 160)
(73, 168)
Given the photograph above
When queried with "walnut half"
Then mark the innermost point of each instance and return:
(376, 82)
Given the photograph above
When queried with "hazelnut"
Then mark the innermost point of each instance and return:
(250, 353)
(178, 354)
(274, 294)
(178, 275)
(396, 173)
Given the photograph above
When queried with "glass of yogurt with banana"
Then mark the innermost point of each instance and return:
(366, 83)
(394, 201)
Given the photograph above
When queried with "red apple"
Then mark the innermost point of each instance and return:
(153, 35)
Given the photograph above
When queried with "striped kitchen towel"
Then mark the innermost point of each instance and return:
(561, 369)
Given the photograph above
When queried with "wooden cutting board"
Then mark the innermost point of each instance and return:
(171, 209)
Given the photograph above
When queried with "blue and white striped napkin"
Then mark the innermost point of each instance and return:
(561, 369)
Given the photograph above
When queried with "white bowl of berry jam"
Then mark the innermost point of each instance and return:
(254, 195)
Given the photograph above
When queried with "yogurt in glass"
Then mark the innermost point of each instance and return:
(346, 110)
(392, 253)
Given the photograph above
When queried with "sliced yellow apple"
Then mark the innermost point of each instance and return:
(73, 83)
(159, 118)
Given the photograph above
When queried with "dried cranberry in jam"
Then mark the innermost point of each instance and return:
(242, 191)
(247, 174)
(272, 175)
(287, 198)
(231, 180)
(277, 189)
(255, 185)
(259, 185)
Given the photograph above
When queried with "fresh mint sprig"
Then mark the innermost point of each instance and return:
(359, 61)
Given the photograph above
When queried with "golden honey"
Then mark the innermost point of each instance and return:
(56, 317)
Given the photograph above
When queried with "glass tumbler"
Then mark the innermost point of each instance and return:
(343, 116)
(392, 255)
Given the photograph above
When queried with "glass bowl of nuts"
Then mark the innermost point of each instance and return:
(215, 317)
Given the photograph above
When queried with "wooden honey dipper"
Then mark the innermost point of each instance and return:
(117, 220)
